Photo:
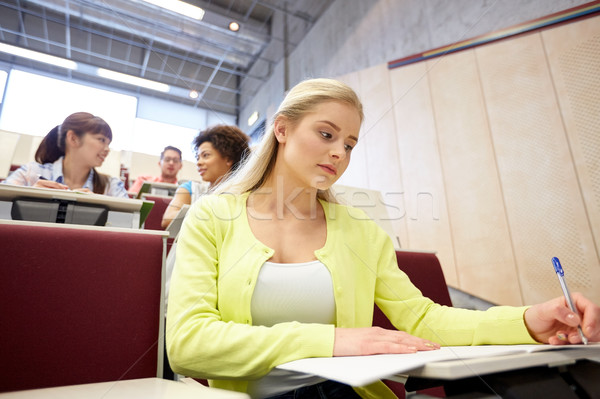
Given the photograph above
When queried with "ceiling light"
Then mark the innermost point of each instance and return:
(234, 26)
(179, 7)
(41, 57)
(133, 80)
(194, 94)
(253, 118)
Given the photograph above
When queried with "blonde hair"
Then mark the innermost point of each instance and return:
(300, 100)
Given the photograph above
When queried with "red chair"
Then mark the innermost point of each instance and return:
(79, 305)
(158, 210)
(425, 272)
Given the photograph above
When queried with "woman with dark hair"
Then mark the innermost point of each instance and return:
(67, 157)
(219, 150)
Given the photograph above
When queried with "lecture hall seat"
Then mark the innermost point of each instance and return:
(425, 272)
(155, 216)
(79, 305)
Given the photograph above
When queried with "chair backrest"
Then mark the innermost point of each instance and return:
(155, 216)
(425, 272)
(79, 305)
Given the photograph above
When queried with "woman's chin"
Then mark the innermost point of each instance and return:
(322, 183)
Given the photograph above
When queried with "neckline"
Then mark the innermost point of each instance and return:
(324, 205)
(293, 264)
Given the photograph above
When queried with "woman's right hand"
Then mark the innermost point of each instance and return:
(50, 184)
(376, 340)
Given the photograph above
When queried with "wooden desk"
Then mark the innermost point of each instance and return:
(122, 212)
(145, 388)
(157, 188)
(447, 363)
(461, 368)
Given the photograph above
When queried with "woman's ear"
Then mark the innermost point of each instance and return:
(72, 139)
(280, 128)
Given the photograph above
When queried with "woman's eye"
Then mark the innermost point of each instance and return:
(326, 135)
(348, 147)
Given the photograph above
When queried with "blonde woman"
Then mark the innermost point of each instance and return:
(270, 269)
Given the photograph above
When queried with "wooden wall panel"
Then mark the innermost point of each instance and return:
(483, 252)
(544, 206)
(356, 173)
(378, 136)
(426, 215)
(573, 53)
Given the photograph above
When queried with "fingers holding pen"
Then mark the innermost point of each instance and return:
(376, 340)
(589, 314)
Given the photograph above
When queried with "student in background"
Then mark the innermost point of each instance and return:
(219, 149)
(271, 269)
(170, 164)
(67, 157)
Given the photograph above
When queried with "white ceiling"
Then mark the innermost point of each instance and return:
(137, 38)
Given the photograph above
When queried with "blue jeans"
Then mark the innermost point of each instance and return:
(323, 390)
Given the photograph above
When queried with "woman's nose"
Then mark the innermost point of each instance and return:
(338, 152)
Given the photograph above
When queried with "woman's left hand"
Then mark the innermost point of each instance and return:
(554, 323)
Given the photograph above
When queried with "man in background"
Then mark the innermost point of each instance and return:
(170, 164)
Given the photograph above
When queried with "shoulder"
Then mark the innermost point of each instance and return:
(146, 178)
(115, 186)
(38, 166)
(29, 173)
(199, 186)
(353, 222)
(187, 186)
(222, 207)
(345, 213)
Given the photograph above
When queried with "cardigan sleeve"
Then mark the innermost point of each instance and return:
(410, 311)
(200, 343)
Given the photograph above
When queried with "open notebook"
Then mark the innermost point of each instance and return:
(363, 370)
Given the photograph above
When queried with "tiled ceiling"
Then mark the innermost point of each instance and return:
(143, 40)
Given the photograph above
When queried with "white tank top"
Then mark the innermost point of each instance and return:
(290, 292)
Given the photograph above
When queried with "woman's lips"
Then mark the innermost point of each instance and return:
(329, 169)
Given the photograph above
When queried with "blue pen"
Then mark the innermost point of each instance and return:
(563, 284)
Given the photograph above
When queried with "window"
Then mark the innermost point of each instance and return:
(152, 137)
(34, 104)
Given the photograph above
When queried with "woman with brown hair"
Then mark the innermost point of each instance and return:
(67, 157)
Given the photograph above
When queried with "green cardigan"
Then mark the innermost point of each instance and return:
(209, 323)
